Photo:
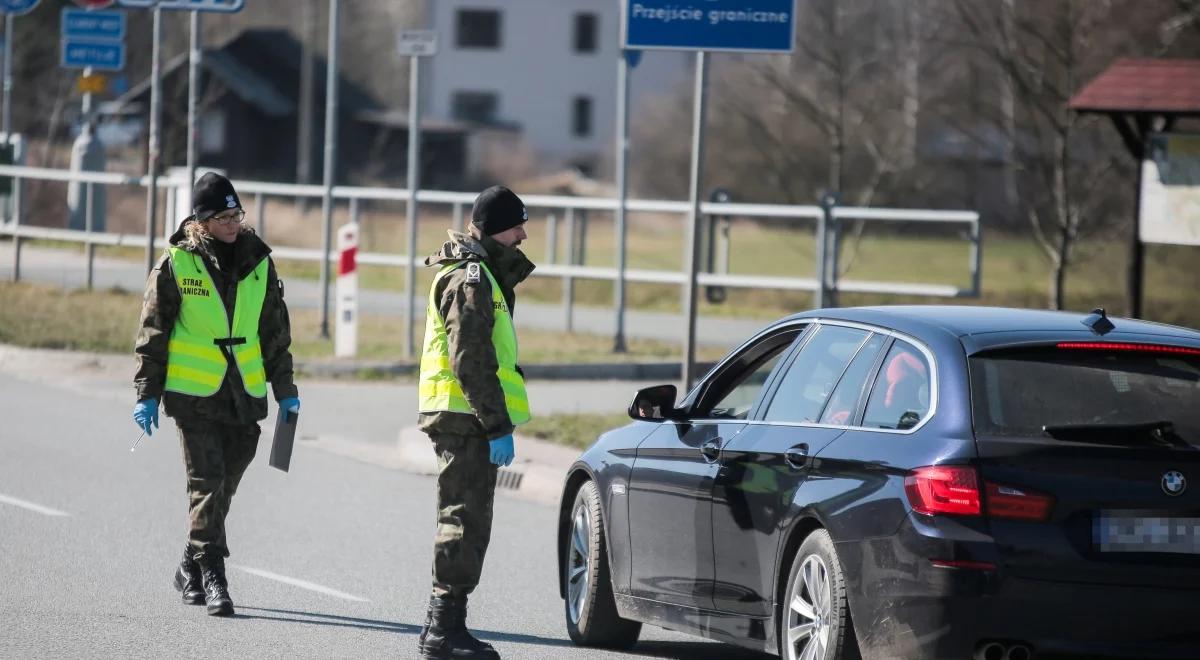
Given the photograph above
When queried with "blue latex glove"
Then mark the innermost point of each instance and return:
(145, 414)
(291, 405)
(502, 451)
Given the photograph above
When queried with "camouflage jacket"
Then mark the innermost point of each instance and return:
(466, 309)
(160, 308)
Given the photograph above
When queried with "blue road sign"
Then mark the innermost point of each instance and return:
(99, 55)
(223, 6)
(17, 7)
(93, 25)
(734, 25)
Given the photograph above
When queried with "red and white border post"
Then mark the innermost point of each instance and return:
(346, 332)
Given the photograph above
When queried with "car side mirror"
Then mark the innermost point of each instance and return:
(654, 404)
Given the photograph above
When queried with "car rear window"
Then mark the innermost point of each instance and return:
(1020, 392)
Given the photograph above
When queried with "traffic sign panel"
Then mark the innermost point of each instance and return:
(93, 84)
(416, 42)
(17, 7)
(94, 25)
(101, 55)
(95, 4)
(732, 25)
(223, 6)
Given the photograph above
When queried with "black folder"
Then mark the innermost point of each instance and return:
(285, 436)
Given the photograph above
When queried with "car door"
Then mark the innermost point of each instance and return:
(670, 485)
(811, 401)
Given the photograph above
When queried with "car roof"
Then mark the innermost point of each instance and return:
(989, 327)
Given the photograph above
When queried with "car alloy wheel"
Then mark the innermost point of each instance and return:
(579, 562)
(809, 615)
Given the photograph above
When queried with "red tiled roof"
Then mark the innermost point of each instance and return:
(1143, 85)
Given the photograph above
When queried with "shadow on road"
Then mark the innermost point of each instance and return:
(695, 651)
(293, 616)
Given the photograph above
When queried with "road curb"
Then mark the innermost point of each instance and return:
(368, 369)
(537, 475)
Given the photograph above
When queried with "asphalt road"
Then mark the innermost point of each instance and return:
(330, 560)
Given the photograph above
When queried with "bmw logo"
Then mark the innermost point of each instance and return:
(1174, 483)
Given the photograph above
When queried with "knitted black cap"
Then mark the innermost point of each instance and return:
(498, 209)
(213, 193)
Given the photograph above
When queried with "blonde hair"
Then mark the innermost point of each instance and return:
(197, 236)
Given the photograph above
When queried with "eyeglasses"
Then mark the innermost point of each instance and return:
(229, 218)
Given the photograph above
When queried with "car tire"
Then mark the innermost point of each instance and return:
(814, 609)
(590, 608)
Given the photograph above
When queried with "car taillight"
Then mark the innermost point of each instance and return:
(954, 490)
(944, 489)
(1017, 503)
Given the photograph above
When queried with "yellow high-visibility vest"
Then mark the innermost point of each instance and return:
(196, 363)
(439, 390)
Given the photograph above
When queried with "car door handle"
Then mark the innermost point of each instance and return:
(711, 450)
(797, 456)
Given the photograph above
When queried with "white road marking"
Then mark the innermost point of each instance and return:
(44, 510)
(302, 584)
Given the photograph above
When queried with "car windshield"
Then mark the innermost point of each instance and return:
(1029, 392)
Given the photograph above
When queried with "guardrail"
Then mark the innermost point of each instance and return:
(827, 223)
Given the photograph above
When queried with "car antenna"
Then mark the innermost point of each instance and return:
(1098, 322)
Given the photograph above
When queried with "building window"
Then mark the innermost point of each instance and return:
(478, 28)
(479, 107)
(585, 33)
(581, 117)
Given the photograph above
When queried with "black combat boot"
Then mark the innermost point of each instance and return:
(448, 638)
(216, 589)
(187, 579)
(428, 622)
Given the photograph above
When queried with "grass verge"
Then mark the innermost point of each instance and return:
(573, 430)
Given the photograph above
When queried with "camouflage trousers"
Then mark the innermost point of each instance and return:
(466, 487)
(215, 455)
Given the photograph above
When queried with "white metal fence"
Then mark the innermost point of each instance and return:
(826, 225)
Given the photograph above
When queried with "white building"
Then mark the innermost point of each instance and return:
(544, 68)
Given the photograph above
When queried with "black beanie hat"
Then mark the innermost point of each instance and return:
(213, 194)
(498, 209)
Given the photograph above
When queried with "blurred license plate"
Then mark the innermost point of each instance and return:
(1120, 532)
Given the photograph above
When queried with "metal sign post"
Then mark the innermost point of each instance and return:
(331, 110)
(766, 26)
(414, 44)
(155, 126)
(622, 177)
(194, 55)
(11, 9)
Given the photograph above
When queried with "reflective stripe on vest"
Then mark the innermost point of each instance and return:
(196, 362)
(439, 390)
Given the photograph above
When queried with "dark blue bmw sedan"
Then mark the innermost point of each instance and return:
(905, 482)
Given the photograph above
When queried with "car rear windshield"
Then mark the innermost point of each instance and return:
(1021, 392)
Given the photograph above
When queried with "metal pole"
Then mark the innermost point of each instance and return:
(822, 247)
(1137, 249)
(691, 255)
(975, 262)
(551, 239)
(89, 219)
(9, 26)
(835, 248)
(458, 217)
(194, 56)
(414, 181)
(155, 122)
(568, 281)
(260, 216)
(622, 194)
(307, 89)
(8, 81)
(331, 110)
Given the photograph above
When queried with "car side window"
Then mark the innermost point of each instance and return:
(740, 385)
(840, 409)
(900, 397)
(811, 377)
